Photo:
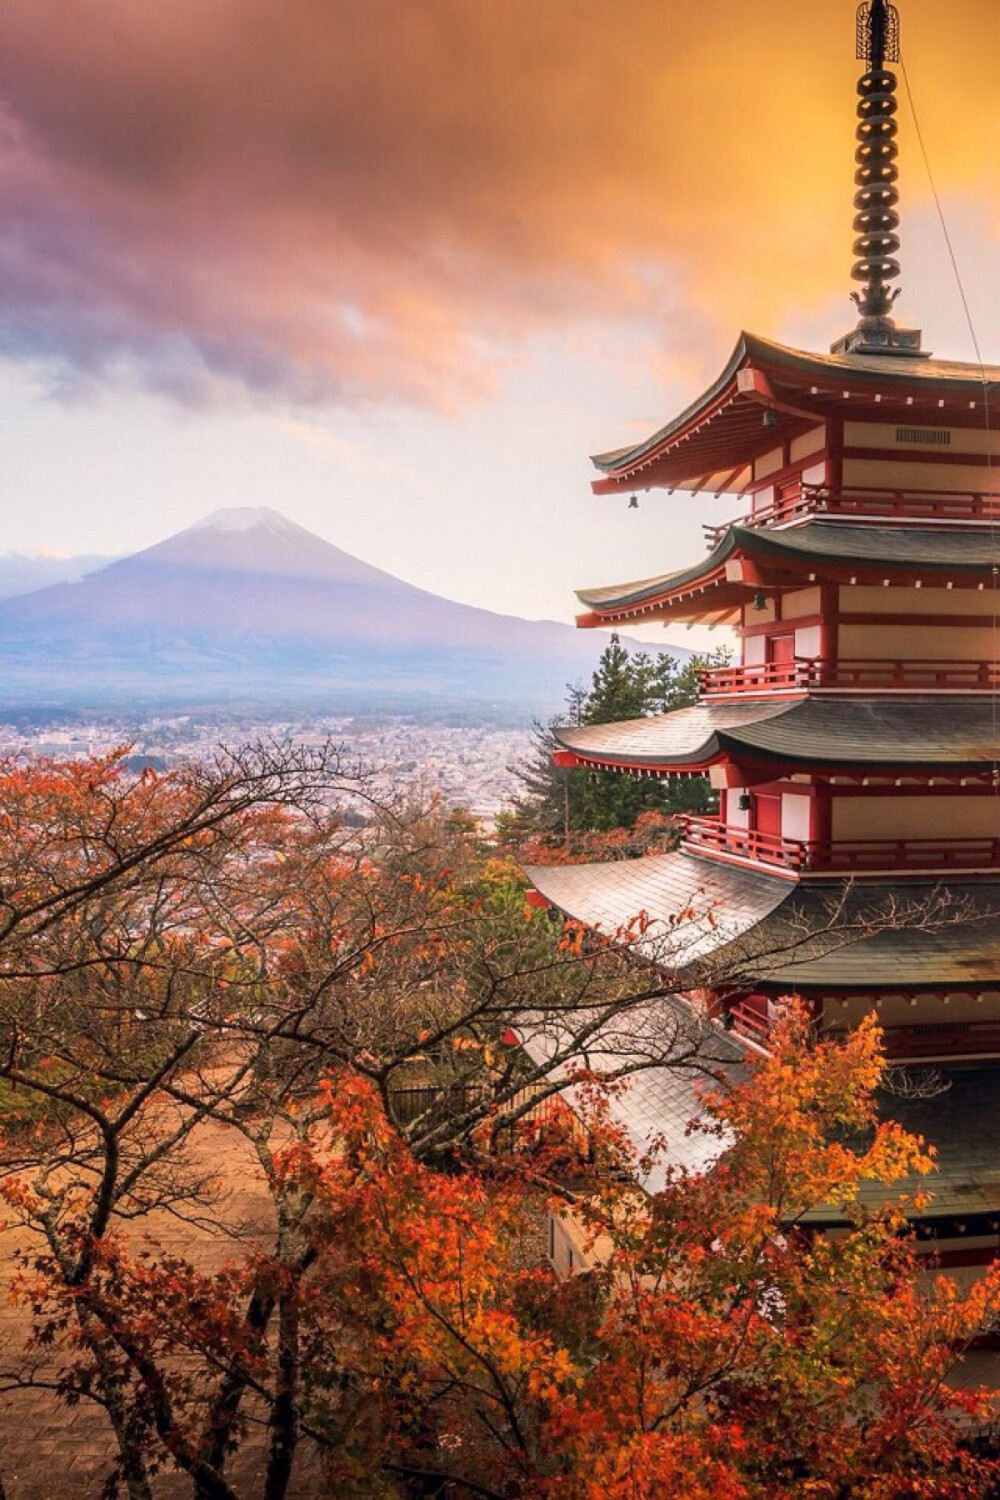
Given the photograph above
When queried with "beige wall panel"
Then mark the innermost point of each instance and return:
(754, 650)
(768, 463)
(809, 442)
(815, 474)
(802, 602)
(916, 643)
(753, 616)
(807, 642)
(861, 599)
(910, 474)
(931, 817)
(883, 435)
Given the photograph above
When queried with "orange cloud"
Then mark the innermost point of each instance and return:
(327, 198)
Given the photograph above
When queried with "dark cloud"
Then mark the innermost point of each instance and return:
(358, 199)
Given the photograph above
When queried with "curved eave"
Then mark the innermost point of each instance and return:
(747, 559)
(710, 445)
(902, 736)
(875, 945)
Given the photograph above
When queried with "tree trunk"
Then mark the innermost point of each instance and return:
(284, 1422)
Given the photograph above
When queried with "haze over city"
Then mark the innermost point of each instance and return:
(397, 271)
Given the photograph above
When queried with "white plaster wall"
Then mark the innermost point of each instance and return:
(736, 817)
(794, 815)
(807, 641)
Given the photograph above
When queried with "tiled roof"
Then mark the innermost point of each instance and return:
(743, 926)
(925, 551)
(721, 430)
(962, 1124)
(857, 731)
(662, 1099)
(721, 901)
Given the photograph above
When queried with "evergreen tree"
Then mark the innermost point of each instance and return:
(557, 801)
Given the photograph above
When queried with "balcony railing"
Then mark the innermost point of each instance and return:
(859, 856)
(803, 675)
(901, 1043)
(908, 506)
(955, 1039)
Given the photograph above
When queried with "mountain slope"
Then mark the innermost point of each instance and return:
(248, 607)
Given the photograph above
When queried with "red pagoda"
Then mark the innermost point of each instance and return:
(855, 854)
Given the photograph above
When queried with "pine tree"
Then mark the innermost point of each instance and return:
(557, 800)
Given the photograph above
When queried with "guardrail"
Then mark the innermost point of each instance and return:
(709, 835)
(804, 674)
(970, 508)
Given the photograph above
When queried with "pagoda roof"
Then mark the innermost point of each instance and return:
(827, 550)
(815, 732)
(960, 1122)
(711, 444)
(745, 927)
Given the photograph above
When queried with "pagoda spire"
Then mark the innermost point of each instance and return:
(876, 220)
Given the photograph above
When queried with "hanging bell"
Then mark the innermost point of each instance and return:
(633, 502)
(770, 418)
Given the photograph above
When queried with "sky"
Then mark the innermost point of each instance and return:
(396, 269)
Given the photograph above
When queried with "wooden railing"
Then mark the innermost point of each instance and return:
(957, 1038)
(800, 856)
(753, 1025)
(803, 675)
(901, 1043)
(971, 508)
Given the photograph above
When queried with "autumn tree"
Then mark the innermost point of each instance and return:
(208, 976)
(191, 953)
(714, 1347)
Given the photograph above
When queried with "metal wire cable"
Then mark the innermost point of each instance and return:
(987, 425)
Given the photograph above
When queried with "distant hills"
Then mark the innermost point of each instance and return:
(246, 609)
(21, 573)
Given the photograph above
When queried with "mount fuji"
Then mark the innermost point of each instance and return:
(248, 609)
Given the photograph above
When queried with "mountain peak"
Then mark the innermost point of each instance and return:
(247, 518)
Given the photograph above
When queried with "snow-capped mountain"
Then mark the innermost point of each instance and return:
(246, 606)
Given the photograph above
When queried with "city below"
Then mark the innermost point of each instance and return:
(466, 765)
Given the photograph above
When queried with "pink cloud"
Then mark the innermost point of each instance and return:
(359, 201)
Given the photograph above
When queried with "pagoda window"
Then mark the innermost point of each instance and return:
(781, 648)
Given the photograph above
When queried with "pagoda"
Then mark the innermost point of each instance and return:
(855, 855)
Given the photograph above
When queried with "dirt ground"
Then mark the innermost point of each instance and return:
(49, 1451)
